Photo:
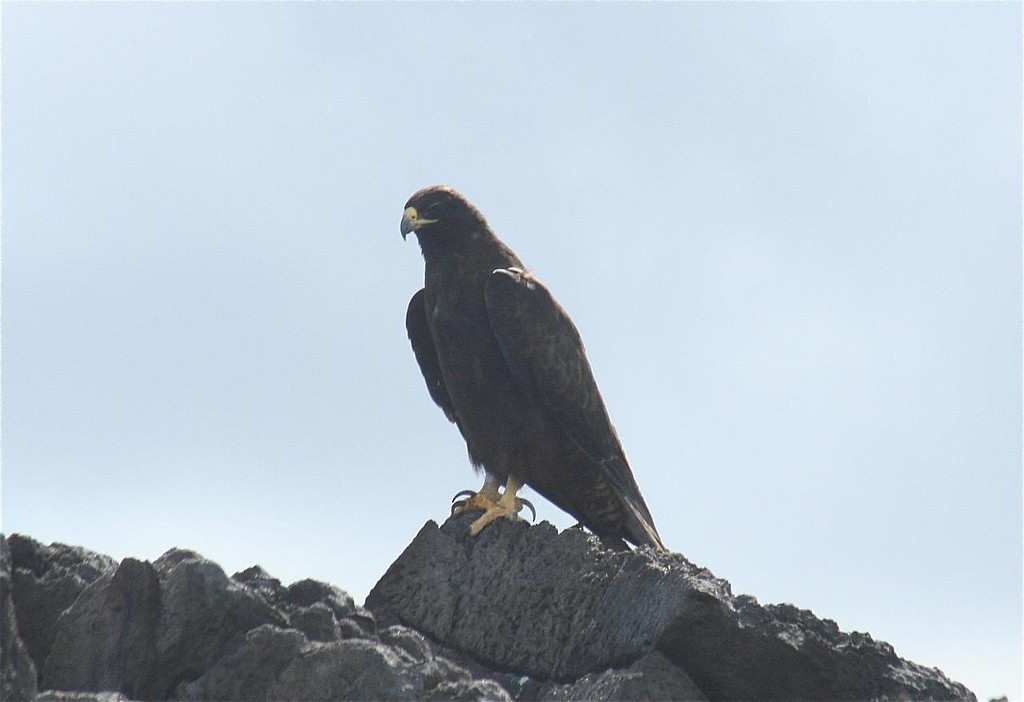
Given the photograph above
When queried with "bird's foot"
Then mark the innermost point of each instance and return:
(492, 504)
(474, 502)
(508, 507)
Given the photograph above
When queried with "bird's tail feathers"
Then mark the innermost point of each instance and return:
(639, 526)
(641, 530)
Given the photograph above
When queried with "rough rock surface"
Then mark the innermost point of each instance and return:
(519, 612)
(180, 628)
(47, 580)
(557, 606)
(17, 672)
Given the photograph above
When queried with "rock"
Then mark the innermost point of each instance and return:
(474, 691)
(557, 606)
(788, 653)
(359, 669)
(48, 580)
(107, 639)
(352, 669)
(317, 609)
(520, 612)
(652, 677)
(249, 672)
(180, 628)
(70, 696)
(204, 615)
(553, 606)
(317, 622)
(409, 642)
(275, 664)
(149, 627)
(17, 671)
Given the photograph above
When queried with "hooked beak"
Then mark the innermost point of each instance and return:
(411, 221)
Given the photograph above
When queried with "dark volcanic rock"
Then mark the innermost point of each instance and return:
(556, 606)
(149, 627)
(72, 696)
(248, 672)
(652, 677)
(319, 610)
(519, 612)
(180, 628)
(278, 664)
(48, 580)
(107, 639)
(17, 672)
(204, 614)
(359, 669)
(782, 652)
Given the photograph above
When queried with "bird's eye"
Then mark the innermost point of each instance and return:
(435, 209)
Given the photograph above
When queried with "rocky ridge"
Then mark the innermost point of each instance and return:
(519, 613)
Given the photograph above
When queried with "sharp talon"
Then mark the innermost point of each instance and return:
(492, 502)
(474, 501)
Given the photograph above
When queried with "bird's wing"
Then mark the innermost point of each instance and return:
(545, 354)
(426, 355)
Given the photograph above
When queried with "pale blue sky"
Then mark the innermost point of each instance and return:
(790, 235)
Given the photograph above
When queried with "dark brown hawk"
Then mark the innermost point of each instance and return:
(505, 363)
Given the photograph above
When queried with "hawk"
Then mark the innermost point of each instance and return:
(505, 363)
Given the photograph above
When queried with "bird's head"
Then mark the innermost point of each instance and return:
(440, 208)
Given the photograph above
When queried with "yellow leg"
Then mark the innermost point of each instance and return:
(507, 507)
